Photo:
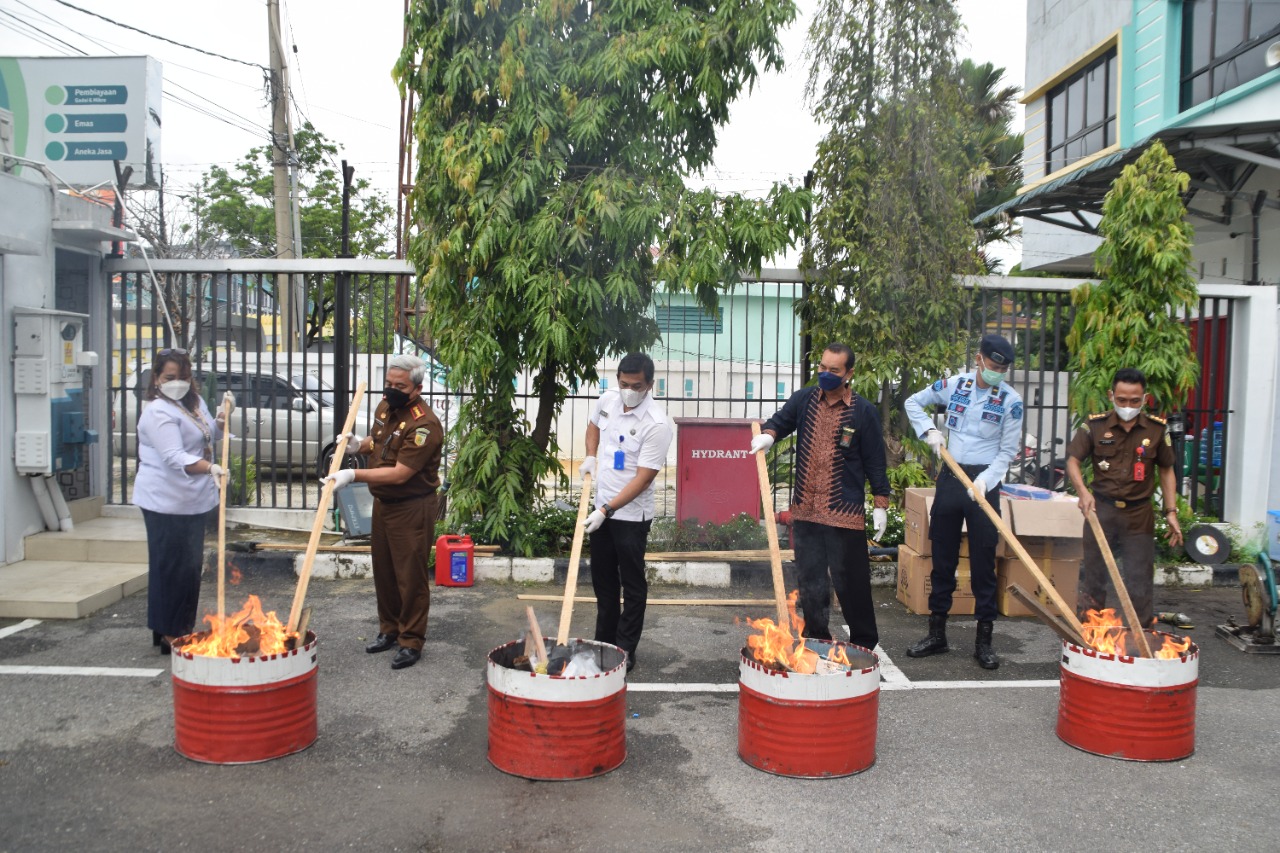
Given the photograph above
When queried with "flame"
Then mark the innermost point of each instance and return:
(778, 647)
(1103, 630)
(249, 631)
(837, 654)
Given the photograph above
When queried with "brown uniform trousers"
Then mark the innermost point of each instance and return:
(1126, 465)
(401, 548)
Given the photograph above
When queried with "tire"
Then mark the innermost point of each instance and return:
(351, 460)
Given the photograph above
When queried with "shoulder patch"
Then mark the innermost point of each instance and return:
(1015, 411)
(940, 384)
(420, 436)
(1098, 416)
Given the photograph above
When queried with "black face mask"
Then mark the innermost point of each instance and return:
(395, 398)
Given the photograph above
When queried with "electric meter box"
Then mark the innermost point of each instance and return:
(48, 384)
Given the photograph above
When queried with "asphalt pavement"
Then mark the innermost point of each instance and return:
(87, 758)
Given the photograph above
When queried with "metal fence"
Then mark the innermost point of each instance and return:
(741, 362)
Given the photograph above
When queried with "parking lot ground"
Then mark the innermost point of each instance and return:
(87, 758)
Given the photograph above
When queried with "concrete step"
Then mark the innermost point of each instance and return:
(66, 589)
(98, 540)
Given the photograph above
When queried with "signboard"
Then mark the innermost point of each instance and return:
(79, 114)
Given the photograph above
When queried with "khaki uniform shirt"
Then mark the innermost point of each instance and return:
(412, 435)
(1124, 461)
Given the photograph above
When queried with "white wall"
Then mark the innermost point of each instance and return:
(1060, 31)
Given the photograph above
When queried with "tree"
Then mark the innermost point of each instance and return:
(995, 151)
(549, 202)
(1130, 318)
(895, 182)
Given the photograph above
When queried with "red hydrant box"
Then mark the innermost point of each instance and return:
(716, 477)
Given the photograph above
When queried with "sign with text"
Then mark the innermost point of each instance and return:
(80, 114)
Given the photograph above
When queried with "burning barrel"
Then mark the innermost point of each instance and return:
(809, 725)
(240, 710)
(553, 727)
(1140, 709)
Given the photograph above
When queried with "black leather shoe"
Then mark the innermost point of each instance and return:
(405, 657)
(381, 643)
(987, 659)
(631, 661)
(935, 642)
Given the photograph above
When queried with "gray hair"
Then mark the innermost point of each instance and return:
(410, 364)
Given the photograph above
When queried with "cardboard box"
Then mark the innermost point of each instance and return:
(916, 506)
(1063, 574)
(914, 583)
(1059, 519)
(1055, 548)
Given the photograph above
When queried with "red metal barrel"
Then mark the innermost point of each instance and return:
(550, 727)
(809, 726)
(1139, 709)
(243, 710)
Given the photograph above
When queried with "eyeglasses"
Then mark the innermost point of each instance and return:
(172, 351)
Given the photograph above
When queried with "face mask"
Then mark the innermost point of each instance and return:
(632, 398)
(992, 377)
(175, 389)
(1126, 413)
(829, 381)
(395, 398)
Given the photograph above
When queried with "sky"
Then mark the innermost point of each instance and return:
(341, 54)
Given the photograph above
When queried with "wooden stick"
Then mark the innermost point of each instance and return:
(326, 495)
(290, 546)
(575, 555)
(1068, 615)
(691, 602)
(539, 643)
(742, 556)
(1126, 603)
(301, 640)
(1047, 616)
(223, 482)
(771, 531)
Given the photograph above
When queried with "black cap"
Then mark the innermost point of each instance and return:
(997, 349)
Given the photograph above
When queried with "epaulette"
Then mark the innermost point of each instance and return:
(1158, 419)
(417, 411)
(1098, 415)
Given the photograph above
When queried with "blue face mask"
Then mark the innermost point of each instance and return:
(829, 381)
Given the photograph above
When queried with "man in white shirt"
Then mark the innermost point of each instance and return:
(631, 431)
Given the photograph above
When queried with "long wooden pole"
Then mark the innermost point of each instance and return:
(575, 556)
(1126, 603)
(684, 602)
(326, 495)
(223, 482)
(1068, 615)
(771, 531)
(1047, 616)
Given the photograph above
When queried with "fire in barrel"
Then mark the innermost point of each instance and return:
(1115, 704)
(806, 708)
(244, 691)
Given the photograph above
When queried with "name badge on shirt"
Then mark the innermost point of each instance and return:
(846, 437)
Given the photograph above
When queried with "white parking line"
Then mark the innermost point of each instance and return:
(21, 626)
(968, 685)
(691, 687)
(111, 671)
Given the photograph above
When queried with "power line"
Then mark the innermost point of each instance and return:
(160, 38)
(49, 37)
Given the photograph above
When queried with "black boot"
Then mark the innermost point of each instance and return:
(987, 659)
(936, 642)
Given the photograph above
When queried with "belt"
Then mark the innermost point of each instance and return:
(1119, 504)
(971, 470)
(402, 500)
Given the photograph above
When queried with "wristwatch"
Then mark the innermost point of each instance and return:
(608, 511)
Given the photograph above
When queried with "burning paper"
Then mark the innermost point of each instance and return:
(250, 631)
(1104, 631)
(776, 646)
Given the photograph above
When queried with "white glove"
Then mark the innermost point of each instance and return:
(880, 518)
(229, 399)
(936, 442)
(593, 522)
(588, 466)
(216, 471)
(980, 483)
(763, 441)
(344, 477)
(353, 443)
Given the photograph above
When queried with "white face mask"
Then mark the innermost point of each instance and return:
(632, 398)
(175, 389)
(1126, 413)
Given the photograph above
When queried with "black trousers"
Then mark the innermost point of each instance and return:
(617, 568)
(828, 555)
(175, 555)
(953, 508)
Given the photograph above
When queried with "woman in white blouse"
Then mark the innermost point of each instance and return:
(177, 489)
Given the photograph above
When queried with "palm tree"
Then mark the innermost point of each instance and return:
(995, 151)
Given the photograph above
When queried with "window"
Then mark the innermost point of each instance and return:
(782, 390)
(662, 387)
(751, 390)
(1224, 44)
(604, 383)
(688, 320)
(688, 387)
(1082, 113)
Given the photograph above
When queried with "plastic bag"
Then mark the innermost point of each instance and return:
(582, 664)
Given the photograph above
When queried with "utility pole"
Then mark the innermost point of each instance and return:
(281, 148)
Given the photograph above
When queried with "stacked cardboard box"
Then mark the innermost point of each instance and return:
(1049, 530)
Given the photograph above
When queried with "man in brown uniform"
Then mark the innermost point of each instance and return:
(1125, 446)
(403, 475)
